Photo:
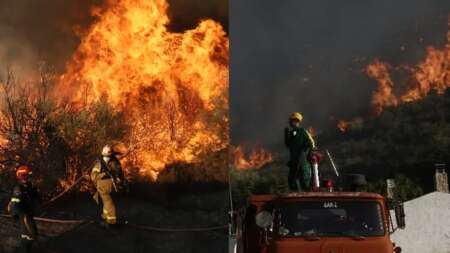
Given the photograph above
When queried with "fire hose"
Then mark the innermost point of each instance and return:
(46, 204)
(59, 195)
(142, 227)
(51, 220)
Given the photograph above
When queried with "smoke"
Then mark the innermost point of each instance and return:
(48, 30)
(186, 14)
(32, 31)
(310, 56)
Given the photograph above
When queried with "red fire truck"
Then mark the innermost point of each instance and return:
(320, 221)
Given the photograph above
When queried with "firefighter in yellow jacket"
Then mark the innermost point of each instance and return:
(107, 176)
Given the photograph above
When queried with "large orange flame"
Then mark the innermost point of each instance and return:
(257, 158)
(3, 141)
(172, 86)
(384, 95)
(432, 73)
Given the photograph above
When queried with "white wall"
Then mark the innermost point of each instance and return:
(427, 225)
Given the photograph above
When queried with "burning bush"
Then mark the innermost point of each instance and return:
(59, 140)
(257, 158)
(172, 86)
(406, 139)
(431, 74)
(162, 95)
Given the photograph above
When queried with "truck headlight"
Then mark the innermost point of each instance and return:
(263, 219)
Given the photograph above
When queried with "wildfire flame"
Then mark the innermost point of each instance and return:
(432, 73)
(257, 158)
(384, 95)
(2, 141)
(171, 86)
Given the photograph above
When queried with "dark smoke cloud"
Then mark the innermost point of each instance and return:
(44, 30)
(309, 56)
(185, 14)
(32, 31)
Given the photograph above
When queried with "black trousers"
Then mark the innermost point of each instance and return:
(28, 233)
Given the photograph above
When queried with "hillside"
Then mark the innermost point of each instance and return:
(408, 139)
(403, 142)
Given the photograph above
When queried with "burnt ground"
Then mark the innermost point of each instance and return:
(160, 209)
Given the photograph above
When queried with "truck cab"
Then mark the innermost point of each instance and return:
(318, 222)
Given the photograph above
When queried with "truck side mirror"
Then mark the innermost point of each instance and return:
(400, 215)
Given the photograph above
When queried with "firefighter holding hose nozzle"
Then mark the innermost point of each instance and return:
(107, 176)
(300, 145)
(24, 200)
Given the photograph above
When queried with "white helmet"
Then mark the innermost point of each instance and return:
(107, 151)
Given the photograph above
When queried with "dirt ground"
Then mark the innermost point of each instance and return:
(190, 210)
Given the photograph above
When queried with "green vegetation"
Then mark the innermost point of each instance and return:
(272, 179)
(59, 140)
(406, 140)
(405, 187)
(402, 143)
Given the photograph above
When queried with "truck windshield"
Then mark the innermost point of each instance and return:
(330, 218)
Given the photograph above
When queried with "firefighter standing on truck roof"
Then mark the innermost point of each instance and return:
(107, 176)
(300, 144)
(23, 201)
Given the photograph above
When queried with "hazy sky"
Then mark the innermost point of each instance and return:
(309, 56)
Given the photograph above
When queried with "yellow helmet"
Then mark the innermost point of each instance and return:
(296, 116)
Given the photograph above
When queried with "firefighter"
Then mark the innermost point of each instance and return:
(107, 176)
(24, 199)
(300, 144)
